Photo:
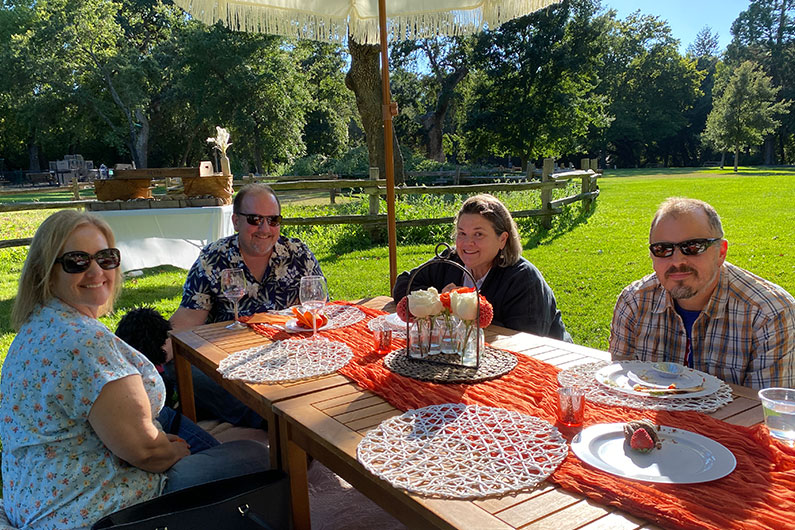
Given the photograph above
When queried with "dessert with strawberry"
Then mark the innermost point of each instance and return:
(641, 435)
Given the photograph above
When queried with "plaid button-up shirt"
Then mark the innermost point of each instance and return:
(745, 335)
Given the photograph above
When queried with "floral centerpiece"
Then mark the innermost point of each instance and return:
(459, 316)
(221, 142)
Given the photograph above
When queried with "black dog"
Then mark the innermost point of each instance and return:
(146, 330)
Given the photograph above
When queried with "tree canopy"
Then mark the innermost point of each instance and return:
(139, 81)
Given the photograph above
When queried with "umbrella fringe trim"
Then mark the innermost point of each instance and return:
(253, 18)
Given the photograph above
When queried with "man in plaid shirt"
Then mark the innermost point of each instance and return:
(698, 310)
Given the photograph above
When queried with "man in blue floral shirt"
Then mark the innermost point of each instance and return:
(273, 266)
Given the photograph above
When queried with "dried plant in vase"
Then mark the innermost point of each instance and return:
(221, 142)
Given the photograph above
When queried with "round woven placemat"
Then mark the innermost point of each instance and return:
(493, 363)
(286, 360)
(583, 376)
(462, 451)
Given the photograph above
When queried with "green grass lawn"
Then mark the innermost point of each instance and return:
(587, 257)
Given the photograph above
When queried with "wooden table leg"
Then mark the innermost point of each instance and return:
(184, 383)
(299, 486)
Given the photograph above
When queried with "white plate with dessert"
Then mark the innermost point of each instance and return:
(662, 454)
(640, 378)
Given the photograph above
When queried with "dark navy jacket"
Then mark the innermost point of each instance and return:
(521, 298)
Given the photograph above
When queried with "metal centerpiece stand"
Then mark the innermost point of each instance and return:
(424, 343)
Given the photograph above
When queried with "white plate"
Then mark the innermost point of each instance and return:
(616, 376)
(291, 326)
(684, 458)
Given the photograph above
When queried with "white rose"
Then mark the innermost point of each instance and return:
(464, 305)
(425, 303)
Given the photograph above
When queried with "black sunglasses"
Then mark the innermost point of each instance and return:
(691, 247)
(79, 261)
(257, 220)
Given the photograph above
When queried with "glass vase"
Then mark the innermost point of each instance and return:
(468, 338)
(448, 325)
(419, 340)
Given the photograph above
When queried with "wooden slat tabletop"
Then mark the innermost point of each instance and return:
(329, 424)
(206, 346)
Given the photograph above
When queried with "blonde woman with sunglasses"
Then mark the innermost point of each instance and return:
(78, 404)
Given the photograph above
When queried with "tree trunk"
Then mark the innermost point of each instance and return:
(770, 150)
(141, 140)
(722, 159)
(364, 79)
(736, 157)
(433, 122)
(33, 156)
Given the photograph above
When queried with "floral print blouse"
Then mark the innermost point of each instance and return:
(57, 473)
(278, 289)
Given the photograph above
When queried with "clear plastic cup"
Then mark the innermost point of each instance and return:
(779, 407)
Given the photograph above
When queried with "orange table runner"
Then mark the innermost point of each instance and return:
(759, 493)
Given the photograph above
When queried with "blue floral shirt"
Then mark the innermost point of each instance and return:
(57, 473)
(278, 289)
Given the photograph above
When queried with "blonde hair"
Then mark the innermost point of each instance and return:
(35, 282)
(678, 206)
(501, 220)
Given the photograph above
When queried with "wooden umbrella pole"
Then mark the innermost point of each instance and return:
(389, 160)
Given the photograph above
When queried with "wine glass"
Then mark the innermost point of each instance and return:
(233, 285)
(313, 295)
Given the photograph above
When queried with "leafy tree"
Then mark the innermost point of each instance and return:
(98, 55)
(765, 34)
(651, 87)
(447, 59)
(534, 95)
(744, 111)
(331, 105)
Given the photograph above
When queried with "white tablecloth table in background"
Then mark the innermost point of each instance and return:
(166, 236)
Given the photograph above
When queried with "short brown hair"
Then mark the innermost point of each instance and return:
(501, 220)
(35, 282)
(255, 187)
(677, 206)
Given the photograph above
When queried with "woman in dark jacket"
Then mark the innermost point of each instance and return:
(487, 243)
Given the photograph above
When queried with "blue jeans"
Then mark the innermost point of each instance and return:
(198, 439)
(215, 403)
(228, 460)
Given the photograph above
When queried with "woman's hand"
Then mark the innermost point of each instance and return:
(122, 418)
(449, 287)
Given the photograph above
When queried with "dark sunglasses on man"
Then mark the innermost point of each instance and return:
(258, 220)
(691, 247)
(78, 261)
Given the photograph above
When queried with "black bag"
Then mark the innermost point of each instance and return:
(254, 501)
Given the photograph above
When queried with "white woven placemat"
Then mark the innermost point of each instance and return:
(286, 360)
(340, 316)
(381, 322)
(462, 451)
(583, 376)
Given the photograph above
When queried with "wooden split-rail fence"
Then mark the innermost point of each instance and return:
(375, 187)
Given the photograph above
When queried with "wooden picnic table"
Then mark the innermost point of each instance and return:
(206, 346)
(326, 418)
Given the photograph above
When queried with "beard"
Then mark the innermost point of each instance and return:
(682, 291)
